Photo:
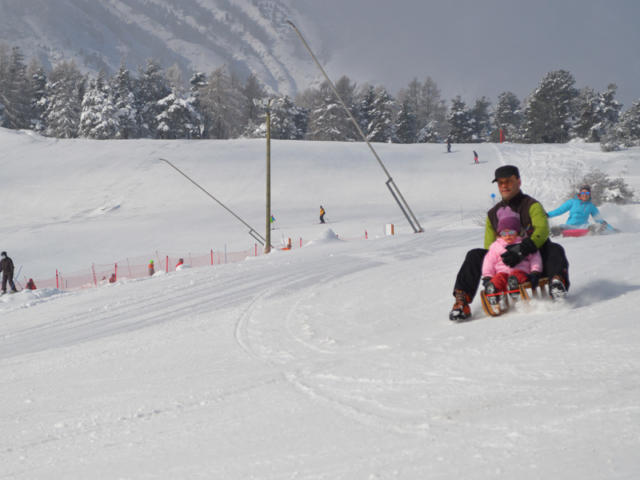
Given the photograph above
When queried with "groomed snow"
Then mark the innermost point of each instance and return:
(331, 361)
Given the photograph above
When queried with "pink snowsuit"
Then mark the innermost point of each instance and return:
(494, 267)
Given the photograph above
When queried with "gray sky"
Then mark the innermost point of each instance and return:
(483, 47)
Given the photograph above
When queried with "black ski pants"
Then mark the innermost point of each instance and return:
(5, 279)
(554, 262)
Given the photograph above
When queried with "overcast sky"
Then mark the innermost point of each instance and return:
(483, 47)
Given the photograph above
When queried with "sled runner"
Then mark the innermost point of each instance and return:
(500, 302)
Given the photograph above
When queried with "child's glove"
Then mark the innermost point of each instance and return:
(516, 252)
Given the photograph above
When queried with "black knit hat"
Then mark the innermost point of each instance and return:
(585, 187)
(3, 254)
(506, 171)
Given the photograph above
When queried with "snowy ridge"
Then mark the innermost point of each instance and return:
(335, 360)
(250, 36)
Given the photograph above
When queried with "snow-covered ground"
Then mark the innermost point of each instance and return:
(332, 361)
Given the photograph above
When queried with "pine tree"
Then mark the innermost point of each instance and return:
(177, 118)
(424, 100)
(627, 131)
(14, 89)
(550, 110)
(481, 120)
(460, 122)
(508, 115)
(222, 104)
(381, 125)
(124, 100)
(98, 118)
(63, 97)
(596, 113)
(327, 117)
(406, 124)
(253, 92)
(152, 86)
(37, 87)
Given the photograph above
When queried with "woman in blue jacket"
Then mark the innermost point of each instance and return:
(580, 209)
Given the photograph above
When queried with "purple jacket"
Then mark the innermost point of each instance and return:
(493, 263)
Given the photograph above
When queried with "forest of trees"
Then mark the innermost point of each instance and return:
(157, 103)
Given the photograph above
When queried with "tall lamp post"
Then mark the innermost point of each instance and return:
(266, 105)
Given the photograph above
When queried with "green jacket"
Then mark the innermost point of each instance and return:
(533, 219)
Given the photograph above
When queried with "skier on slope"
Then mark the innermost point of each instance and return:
(6, 267)
(580, 209)
(535, 238)
(322, 214)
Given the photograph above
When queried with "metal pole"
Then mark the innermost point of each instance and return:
(395, 191)
(252, 231)
(267, 247)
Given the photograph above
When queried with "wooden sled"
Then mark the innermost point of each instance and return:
(525, 292)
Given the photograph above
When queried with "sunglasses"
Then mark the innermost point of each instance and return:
(508, 233)
(584, 192)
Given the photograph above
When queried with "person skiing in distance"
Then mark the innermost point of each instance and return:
(448, 145)
(535, 236)
(580, 208)
(475, 157)
(151, 268)
(496, 275)
(6, 267)
(31, 285)
(180, 263)
(322, 213)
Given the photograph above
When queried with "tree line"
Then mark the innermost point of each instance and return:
(158, 103)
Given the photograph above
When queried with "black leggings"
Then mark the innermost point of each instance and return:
(554, 262)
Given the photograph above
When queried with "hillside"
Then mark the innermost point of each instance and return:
(335, 360)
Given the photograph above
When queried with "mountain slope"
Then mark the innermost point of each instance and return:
(249, 36)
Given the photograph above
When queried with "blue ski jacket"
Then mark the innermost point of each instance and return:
(579, 212)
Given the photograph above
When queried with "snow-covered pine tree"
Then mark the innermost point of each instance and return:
(508, 116)
(14, 89)
(177, 118)
(381, 117)
(549, 112)
(596, 113)
(406, 124)
(364, 106)
(99, 116)
(460, 122)
(62, 101)
(253, 92)
(37, 79)
(151, 87)
(327, 117)
(481, 120)
(124, 100)
(424, 99)
(627, 131)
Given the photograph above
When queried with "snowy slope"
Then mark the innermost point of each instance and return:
(331, 361)
(250, 36)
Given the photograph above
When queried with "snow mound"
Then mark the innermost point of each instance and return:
(328, 236)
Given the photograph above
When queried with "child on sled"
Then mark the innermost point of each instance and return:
(498, 277)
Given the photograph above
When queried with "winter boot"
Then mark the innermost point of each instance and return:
(513, 285)
(460, 310)
(490, 292)
(557, 288)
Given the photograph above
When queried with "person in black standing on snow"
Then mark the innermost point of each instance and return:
(6, 266)
(448, 145)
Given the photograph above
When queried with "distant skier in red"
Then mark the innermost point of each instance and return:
(475, 157)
